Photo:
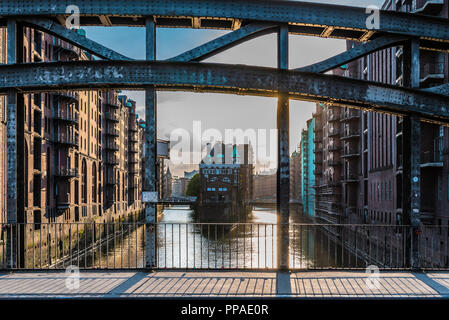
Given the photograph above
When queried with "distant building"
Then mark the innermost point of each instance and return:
(180, 183)
(265, 185)
(167, 184)
(226, 178)
(307, 168)
(295, 176)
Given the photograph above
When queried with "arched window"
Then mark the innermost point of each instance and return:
(94, 182)
(84, 181)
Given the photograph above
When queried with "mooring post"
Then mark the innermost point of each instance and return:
(283, 172)
(411, 157)
(150, 151)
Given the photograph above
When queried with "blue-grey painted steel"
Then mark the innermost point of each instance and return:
(74, 38)
(293, 12)
(442, 89)
(11, 148)
(238, 79)
(412, 153)
(354, 54)
(150, 149)
(283, 172)
(225, 42)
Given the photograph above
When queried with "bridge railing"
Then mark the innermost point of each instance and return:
(220, 246)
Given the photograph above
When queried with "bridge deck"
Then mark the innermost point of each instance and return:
(224, 284)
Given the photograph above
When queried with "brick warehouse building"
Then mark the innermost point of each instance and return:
(360, 155)
(226, 182)
(83, 149)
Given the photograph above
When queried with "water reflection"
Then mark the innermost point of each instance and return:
(184, 242)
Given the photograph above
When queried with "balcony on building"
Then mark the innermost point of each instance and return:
(133, 169)
(333, 148)
(350, 177)
(333, 116)
(112, 105)
(349, 115)
(66, 140)
(112, 116)
(69, 96)
(349, 152)
(133, 160)
(66, 173)
(350, 134)
(111, 160)
(112, 131)
(333, 132)
(111, 146)
(67, 117)
(429, 7)
(432, 155)
(432, 73)
(133, 138)
(317, 139)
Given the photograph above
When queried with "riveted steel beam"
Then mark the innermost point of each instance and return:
(354, 54)
(225, 42)
(442, 89)
(150, 149)
(51, 27)
(235, 79)
(15, 110)
(341, 18)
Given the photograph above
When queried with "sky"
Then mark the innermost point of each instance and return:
(220, 111)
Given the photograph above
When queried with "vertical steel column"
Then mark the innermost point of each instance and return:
(11, 155)
(14, 154)
(411, 156)
(283, 172)
(150, 149)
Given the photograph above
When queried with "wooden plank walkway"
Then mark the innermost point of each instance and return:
(224, 284)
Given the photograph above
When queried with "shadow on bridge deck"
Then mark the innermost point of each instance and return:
(224, 284)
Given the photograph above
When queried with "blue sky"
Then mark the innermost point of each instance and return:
(179, 110)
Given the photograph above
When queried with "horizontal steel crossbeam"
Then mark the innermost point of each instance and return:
(220, 78)
(311, 18)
